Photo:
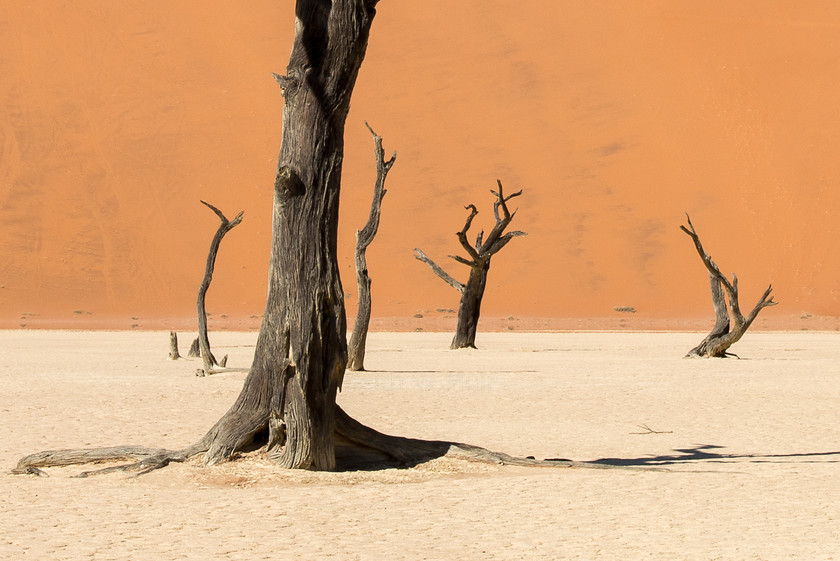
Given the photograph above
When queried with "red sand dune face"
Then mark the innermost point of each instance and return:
(615, 118)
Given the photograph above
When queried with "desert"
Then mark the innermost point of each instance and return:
(615, 129)
(747, 448)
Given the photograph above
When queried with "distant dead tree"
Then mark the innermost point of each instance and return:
(173, 346)
(356, 346)
(730, 324)
(195, 350)
(203, 340)
(479, 263)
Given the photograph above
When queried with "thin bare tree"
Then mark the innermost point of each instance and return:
(203, 339)
(364, 237)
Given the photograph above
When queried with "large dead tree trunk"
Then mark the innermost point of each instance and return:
(203, 339)
(288, 398)
(730, 323)
(472, 292)
(301, 350)
(364, 237)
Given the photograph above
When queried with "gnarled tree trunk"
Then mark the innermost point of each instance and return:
(472, 292)
(301, 349)
(364, 237)
(469, 308)
(730, 323)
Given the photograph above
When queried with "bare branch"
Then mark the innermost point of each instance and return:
(464, 261)
(462, 235)
(763, 302)
(731, 289)
(418, 254)
(648, 430)
(503, 241)
(364, 237)
(491, 244)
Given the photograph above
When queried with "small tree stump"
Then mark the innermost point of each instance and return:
(173, 346)
(195, 350)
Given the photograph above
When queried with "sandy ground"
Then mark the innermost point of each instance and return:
(751, 448)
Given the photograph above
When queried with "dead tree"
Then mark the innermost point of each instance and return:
(472, 292)
(195, 350)
(173, 346)
(730, 323)
(288, 399)
(203, 340)
(356, 346)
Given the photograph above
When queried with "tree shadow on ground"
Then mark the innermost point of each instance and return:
(705, 453)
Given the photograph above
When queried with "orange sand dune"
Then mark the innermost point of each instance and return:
(615, 118)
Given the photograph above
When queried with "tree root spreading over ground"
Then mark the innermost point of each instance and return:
(357, 447)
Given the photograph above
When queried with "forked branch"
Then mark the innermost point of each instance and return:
(473, 252)
(502, 221)
(730, 324)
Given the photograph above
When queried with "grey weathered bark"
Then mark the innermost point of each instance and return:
(480, 254)
(173, 346)
(288, 397)
(730, 323)
(203, 340)
(364, 237)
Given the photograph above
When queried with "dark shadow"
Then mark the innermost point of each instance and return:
(703, 453)
(477, 372)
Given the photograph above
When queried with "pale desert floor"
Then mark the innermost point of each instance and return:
(751, 447)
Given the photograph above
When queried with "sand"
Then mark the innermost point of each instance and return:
(750, 446)
(614, 117)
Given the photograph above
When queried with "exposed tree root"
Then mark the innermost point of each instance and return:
(357, 447)
(147, 459)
